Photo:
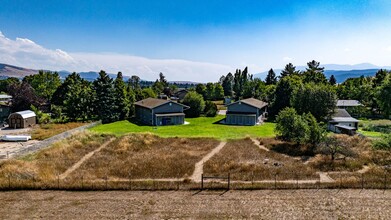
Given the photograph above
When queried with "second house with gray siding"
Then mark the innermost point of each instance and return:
(158, 112)
(246, 112)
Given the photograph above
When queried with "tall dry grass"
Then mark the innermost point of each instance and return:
(48, 163)
(147, 156)
(245, 161)
(44, 131)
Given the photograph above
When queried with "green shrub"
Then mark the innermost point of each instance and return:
(384, 143)
(210, 109)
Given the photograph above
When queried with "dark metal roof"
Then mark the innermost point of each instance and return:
(152, 103)
(253, 102)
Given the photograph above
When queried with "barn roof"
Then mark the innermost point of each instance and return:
(25, 114)
(348, 103)
(152, 103)
(341, 115)
(253, 102)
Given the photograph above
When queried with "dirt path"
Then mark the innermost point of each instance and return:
(256, 142)
(83, 159)
(199, 166)
(363, 170)
(325, 178)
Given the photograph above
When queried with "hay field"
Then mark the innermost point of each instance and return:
(146, 156)
(245, 161)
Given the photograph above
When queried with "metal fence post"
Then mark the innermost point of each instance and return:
(362, 181)
(229, 178)
(385, 181)
(275, 181)
(130, 181)
(202, 182)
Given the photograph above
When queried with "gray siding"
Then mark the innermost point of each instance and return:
(144, 115)
(171, 120)
(236, 107)
(167, 108)
(148, 116)
(237, 119)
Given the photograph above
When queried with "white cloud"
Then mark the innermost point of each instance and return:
(388, 48)
(26, 53)
(287, 59)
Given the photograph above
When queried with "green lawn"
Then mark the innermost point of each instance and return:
(371, 134)
(198, 127)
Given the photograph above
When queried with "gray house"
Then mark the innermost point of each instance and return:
(342, 123)
(246, 112)
(157, 112)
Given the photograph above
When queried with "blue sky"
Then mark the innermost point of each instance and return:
(192, 40)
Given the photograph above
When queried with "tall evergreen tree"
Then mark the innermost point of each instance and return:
(228, 84)
(271, 78)
(314, 73)
(105, 98)
(121, 97)
(332, 80)
(289, 70)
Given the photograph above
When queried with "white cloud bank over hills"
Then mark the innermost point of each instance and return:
(26, 53)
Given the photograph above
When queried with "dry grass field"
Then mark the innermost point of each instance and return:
(262, 204)
(44, 131)
(246, 161)
(48, 163)
(147, 156)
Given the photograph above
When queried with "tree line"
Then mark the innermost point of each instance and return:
(108, 99)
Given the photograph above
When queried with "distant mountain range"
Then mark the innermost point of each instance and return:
(341, 72)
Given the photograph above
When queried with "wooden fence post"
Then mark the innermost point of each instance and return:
(202, 181)
(82, 182)
(106, 182)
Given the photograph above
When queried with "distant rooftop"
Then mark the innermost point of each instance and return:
(25, 114)
(341, 115)
(253, 102)
(348, 103)
(4, 96)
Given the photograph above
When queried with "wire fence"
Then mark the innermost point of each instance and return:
(227, 181)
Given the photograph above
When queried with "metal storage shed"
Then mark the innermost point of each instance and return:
(22, 119)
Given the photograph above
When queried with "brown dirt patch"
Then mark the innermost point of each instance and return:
(264, 204)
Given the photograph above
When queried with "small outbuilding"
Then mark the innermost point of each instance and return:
(22, 119)
(158, 112)
(342, 123)
(246, 112)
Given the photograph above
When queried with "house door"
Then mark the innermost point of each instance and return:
(166, 121)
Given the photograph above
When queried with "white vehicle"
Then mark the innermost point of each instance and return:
(16, 138)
